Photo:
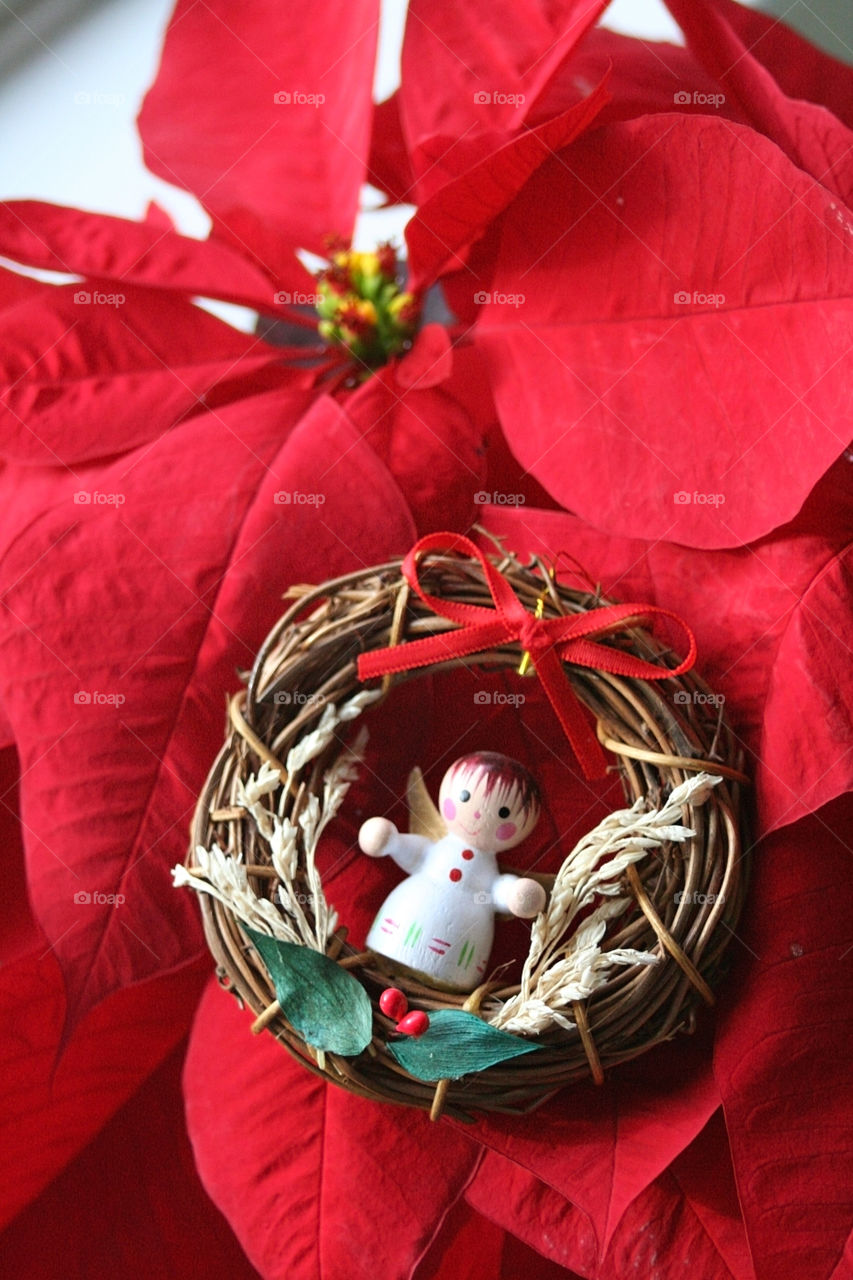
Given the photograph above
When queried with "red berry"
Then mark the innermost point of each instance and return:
(414, 1023)
(393, 1003)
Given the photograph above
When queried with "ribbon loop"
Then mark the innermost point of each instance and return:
(549, 641)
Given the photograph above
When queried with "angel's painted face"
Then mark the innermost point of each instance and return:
(487, 813)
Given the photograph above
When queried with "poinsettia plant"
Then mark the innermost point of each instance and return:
(644, 257)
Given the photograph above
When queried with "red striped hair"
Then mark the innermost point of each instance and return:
(501, 772)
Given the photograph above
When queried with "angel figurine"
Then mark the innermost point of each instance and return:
(439, 922)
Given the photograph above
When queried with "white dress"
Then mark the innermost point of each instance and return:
(439, 922)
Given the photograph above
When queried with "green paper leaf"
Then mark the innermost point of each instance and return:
(456, 1044)
(320, 1000)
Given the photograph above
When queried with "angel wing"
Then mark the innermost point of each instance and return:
(424, 818)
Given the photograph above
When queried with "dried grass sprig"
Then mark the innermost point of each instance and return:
(564, 966)
(226, 878)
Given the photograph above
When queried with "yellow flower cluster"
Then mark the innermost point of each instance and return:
(362, 307)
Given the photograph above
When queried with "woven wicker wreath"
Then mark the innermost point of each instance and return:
(654, 893)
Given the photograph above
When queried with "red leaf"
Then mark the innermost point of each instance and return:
(644, 77)
(17, 289)
(519, 1260)
(467, 1247)
(613, 1141)
(89, 373)
(812, 137)
(179, 582)
(491, 67)
(802, 772)
(662, 1234)
(641, 77)
(130, 1205)
(289, 1159)
(782, 1055)
(275, 175)
(460, 211)
(430, 443)
(50, 1108)
(389, 168)
(640, 404)
(689, 1216)
(107, 248)
(18, 930)
(157, 216)
(704, 1176)
(799, 67)
(516, 1199)
(429, 362)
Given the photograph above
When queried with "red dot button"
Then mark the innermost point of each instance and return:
(467, 854)
(456, 875)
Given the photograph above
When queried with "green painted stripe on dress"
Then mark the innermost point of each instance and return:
(466, 955)
(410, 940)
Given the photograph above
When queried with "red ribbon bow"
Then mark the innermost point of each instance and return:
(549, 641)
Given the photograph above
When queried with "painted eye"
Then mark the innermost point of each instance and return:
(504, 812)
(464, 796)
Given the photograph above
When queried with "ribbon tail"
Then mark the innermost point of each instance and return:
(569, 712)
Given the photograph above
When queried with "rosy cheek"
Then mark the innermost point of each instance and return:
(506, 831)
(449, 809)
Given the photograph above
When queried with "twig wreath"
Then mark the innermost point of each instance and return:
(631, 940)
